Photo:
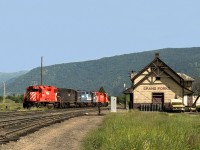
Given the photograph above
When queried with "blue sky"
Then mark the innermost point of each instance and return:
(65, 31)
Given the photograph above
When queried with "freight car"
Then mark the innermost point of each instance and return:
(52, 96)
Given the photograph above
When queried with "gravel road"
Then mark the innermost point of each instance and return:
(67, 135)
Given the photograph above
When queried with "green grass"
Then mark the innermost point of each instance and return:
(146, 131)
(10, 105)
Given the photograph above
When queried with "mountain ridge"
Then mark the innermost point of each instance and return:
(5, 76)
(109, 72)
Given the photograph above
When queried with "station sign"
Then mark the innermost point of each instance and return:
(113, 104)
(154, 88)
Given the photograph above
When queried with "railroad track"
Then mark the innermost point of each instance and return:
(9, 114)
(11, 129)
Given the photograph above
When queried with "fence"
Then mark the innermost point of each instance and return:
(151, 107)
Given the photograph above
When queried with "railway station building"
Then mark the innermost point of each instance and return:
(156, 84)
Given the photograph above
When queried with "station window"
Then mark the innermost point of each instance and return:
(157, 78)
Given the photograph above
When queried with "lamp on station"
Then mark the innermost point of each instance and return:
(125, 96)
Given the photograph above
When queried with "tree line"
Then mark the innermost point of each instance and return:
(15, 98)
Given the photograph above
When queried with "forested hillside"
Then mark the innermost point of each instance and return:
(7, 76)
(110, 72)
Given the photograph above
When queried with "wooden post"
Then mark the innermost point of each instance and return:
(99, 109)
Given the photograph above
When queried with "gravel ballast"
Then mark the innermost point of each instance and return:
(67, 135)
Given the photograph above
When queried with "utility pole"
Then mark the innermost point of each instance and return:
(41, 69)
(4, 92)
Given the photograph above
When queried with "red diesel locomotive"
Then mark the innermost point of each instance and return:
(40, 96)
(51, 96)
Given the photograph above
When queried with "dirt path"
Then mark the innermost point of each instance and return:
(67, 135)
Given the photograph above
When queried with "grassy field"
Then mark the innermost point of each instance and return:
(10, 105)
(146, 131)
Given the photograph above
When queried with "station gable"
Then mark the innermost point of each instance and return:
(157, 73)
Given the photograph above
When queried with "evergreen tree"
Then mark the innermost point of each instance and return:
(102, 90)
(196, 86)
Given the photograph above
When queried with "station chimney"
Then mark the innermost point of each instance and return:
(157, 55)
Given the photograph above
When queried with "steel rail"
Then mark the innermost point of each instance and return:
(14, 130)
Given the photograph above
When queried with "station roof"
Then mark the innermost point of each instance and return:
(185, 77)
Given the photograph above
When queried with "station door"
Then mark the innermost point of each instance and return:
(158, 98)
